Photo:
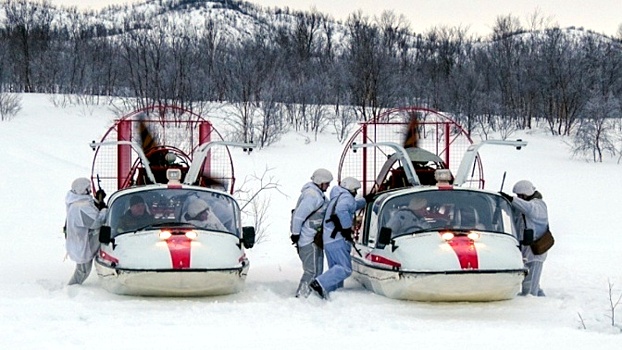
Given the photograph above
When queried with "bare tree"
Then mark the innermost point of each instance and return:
(254, 199)
(463, 90)
(208, 58)
(506, 127)
(363, 64)
(271, 125)
(506, 65)
(343, 122)
(249, 68)
(374, 61)
(536, 21)
(593, 135)
(565, 80)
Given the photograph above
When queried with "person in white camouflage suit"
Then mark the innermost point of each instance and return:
(82, 228)
(533, 214)
(409, 219)
(307, 218)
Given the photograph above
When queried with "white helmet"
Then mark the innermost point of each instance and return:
(81, 185)
(351, 184)
(524, 187)
(196, 207)
(321, 176)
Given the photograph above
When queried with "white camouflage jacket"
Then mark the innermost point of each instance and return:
(536, 217)
(83, 223)
(311, 200)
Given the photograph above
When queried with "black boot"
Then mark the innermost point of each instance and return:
(315, 285)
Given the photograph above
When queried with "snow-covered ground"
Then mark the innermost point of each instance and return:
(45, 148)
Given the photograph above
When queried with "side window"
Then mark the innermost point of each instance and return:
(223, 209)
(368, 231)
(119, 207)
(508, 218)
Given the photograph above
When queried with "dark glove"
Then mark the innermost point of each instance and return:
(506, 196)
(99, 204)
(99, 199)
(369, 197)
(100, 195)
(295, 239)
(347, 234)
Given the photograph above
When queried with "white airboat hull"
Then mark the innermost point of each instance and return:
(142, 264)
(172, 283)
(469, 286)
(431, 270)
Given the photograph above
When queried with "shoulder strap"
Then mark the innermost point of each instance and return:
(313, 212)
(335, 206)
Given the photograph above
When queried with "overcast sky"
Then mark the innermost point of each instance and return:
(603, 16)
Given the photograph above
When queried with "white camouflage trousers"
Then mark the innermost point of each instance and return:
(531, 283)
(312, 259)
(81, 273)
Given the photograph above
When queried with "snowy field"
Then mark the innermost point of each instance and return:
(46, 147)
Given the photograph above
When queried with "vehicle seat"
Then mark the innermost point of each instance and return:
(467, 218)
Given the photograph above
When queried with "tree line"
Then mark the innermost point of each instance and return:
(303, 70)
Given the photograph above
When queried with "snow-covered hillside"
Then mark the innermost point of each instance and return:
(46, 147)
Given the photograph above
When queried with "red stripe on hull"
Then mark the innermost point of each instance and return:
(179, 246)
(466, 252)
(382, 260)
(108, 257)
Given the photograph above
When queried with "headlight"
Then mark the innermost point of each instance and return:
(164, 235)
(448, 236)
(474, 236)
(191, 235)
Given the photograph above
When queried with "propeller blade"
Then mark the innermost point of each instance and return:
(147, 139)
(412, 132)
(208, 181)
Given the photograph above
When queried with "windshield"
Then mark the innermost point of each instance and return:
(456, 210)
(171, 207)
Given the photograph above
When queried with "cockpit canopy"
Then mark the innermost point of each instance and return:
(163, 207)
(435, 210)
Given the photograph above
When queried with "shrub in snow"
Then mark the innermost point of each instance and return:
(10, 104)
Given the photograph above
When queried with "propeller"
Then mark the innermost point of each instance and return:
(156, 153)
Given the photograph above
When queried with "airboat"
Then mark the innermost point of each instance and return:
(161, 163)
(463, 246)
